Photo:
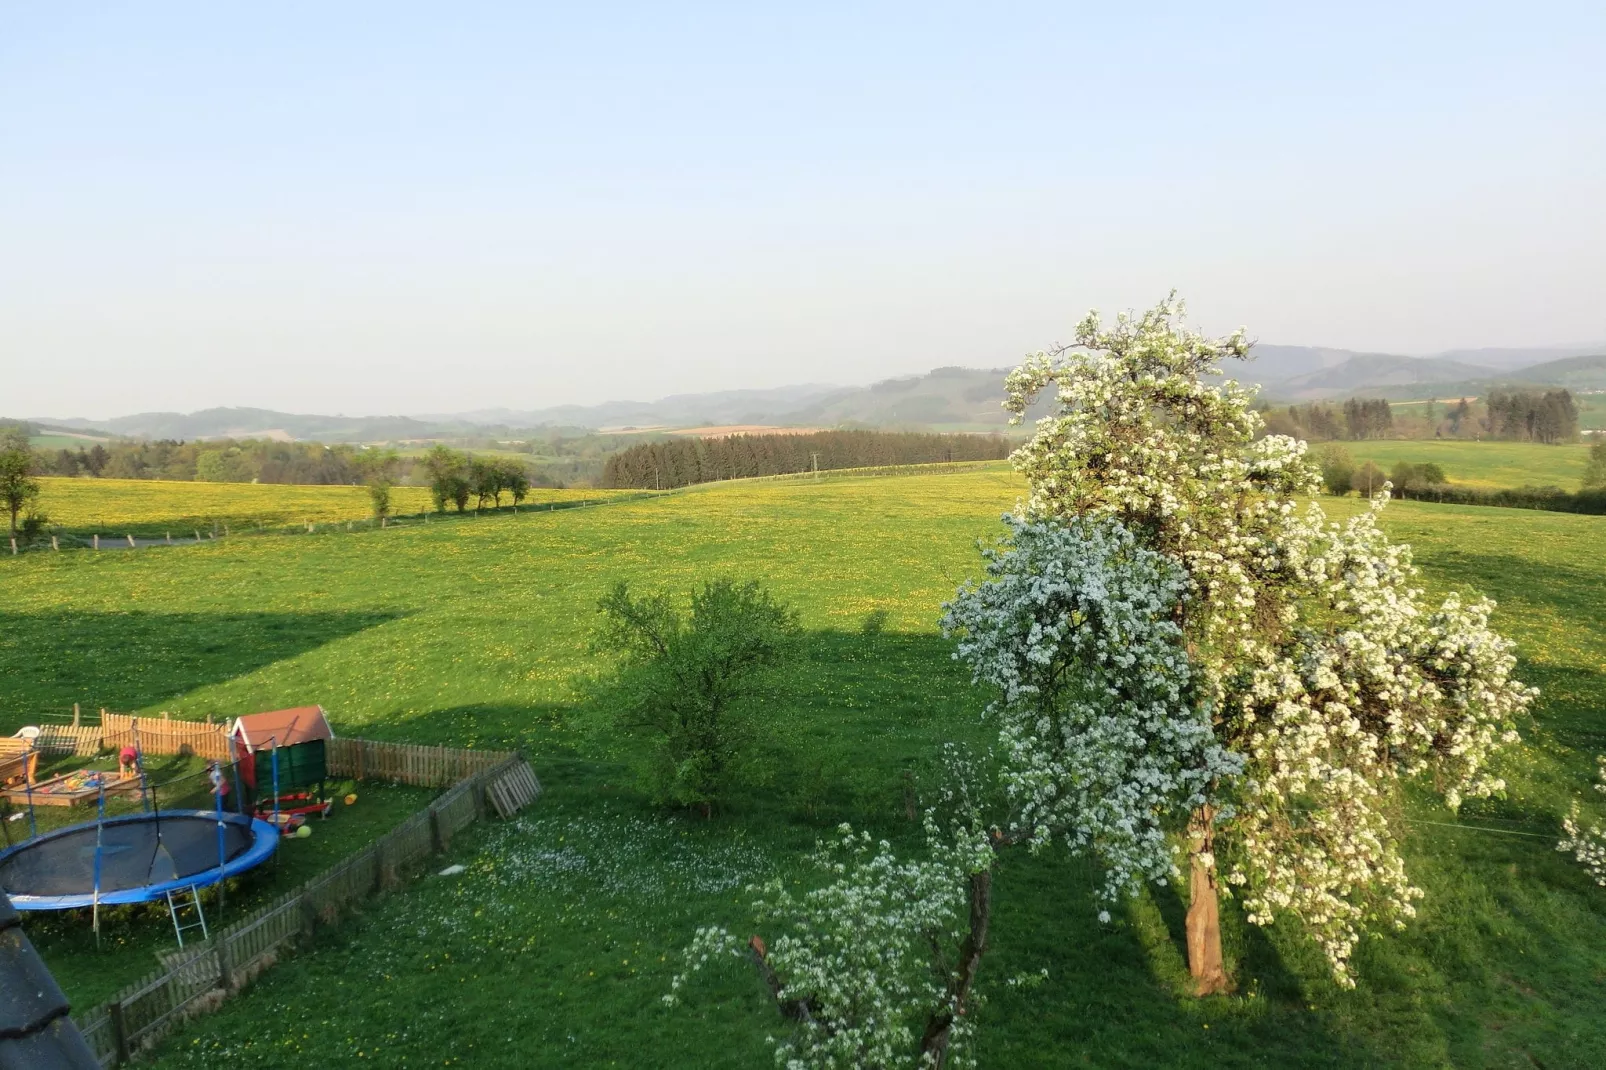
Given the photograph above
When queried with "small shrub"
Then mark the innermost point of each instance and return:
(1338, 469)
(1368, 479)
(874, 623)
(690, 679)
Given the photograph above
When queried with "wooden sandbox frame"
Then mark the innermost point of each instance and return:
(42, 795)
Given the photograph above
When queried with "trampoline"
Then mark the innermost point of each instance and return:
(141, 858)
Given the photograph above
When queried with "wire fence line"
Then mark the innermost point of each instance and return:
(196, 981)
(141, 535)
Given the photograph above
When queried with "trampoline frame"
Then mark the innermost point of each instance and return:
(264, 840)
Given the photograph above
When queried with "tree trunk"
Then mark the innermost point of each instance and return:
(1204, 919)
(939, 1030)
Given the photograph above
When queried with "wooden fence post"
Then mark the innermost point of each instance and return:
(55, 544)
(130, 541)
(440, 838)
(225, 973)
(119, 1032)
(75, 715)
(96, 537)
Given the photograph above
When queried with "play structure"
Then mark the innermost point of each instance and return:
(138, 858)
(162, 855)
(18, 759)
(283, 764)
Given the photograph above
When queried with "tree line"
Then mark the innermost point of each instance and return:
(1528, 416)
(1507, 414)
(683, 461)
(456, 477)
(212, 461)
(1356, 419)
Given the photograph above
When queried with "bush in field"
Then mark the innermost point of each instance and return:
(1368, 479)
(1411, 478)
(1595, 470)
(1338, 469)
(689, 679)
(378, 470)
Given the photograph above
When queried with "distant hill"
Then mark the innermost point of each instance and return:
(678, 410)
(1374, 373)
(1524, 358)
(253, 423)
(945, 399)
(1576, 373)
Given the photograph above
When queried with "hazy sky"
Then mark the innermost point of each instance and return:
(390, 207)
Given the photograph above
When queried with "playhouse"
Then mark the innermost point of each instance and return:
(282, 761)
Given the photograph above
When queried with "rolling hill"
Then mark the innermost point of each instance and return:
(946, 399)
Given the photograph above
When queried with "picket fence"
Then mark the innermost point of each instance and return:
(154, 735)
(423, 767)
(147, 1010)
(361, 759)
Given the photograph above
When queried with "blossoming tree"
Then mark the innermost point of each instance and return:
(878, 965)
(1173, 629)
(1587, 843)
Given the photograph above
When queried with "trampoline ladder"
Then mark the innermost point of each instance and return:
(186, 899)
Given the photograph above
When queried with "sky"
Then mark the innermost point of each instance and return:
(402, 208)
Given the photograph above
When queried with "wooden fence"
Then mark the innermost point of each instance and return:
(422, 767)
(361, 759)
(165, 735)
(156, 735)
(147, 1010)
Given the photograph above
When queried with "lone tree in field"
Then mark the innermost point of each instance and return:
(690, 680)
(378, 470)
(19, 490)
(1176, 635)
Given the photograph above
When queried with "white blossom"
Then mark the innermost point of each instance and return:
(866, 954)
(1309, 649)
(1587, 842)
(1101, 735)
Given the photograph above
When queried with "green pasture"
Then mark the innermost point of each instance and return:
(1481, 464)
(554, 946)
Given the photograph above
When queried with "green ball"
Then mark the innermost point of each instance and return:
(303, 832)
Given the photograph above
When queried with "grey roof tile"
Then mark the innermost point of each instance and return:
(35, 1032)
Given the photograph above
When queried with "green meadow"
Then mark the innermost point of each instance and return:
(555, 945)
(1482, 464)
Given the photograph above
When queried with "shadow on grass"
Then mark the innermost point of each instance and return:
(1119, 991)
(845, 730)
(136, 660)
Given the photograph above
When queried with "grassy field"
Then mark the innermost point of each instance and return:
(1482, 464)
(154, 506)
(555, 945)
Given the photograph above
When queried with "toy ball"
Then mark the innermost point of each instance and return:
(303, 832)
(351, 798)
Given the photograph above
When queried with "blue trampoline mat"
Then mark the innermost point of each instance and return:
(142, 857)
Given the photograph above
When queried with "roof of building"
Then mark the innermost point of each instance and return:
(35, 1032)
(282, 728)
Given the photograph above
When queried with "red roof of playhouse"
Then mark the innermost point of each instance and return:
(282, 728)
